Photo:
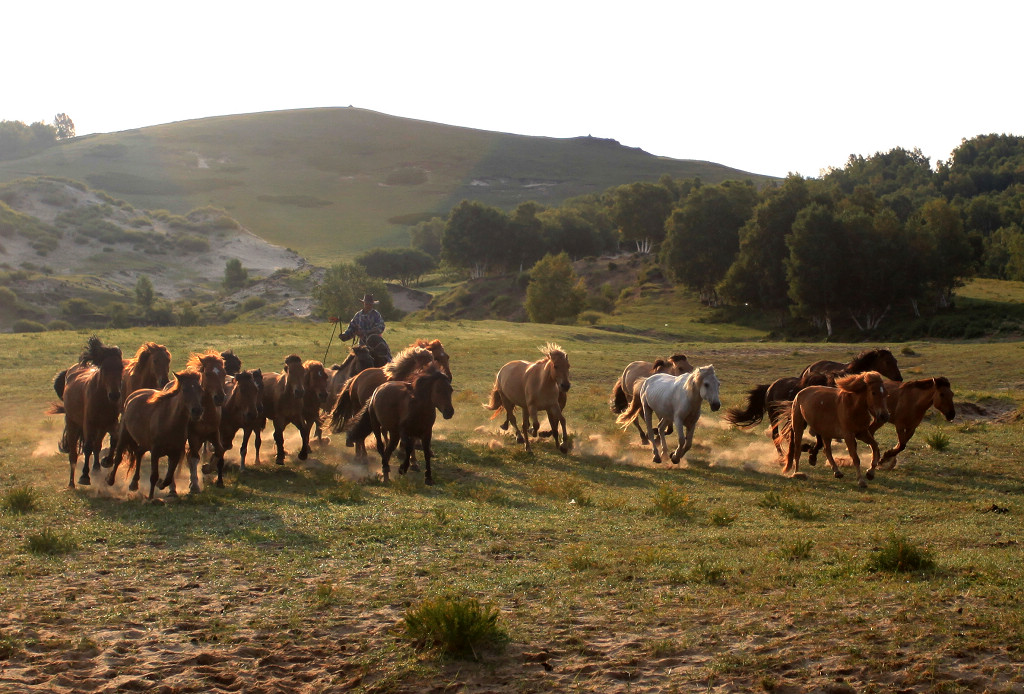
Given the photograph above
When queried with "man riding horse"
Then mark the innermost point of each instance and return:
(368, 325)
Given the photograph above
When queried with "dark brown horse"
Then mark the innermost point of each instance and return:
(206, 429)
(845, 412)
(357, 391)
(880, 360)
(533, 386)
(232, 364)
(761, 398)
(404, 412)
(91, 391)
(908, 402)
(284, 396)
(634, 373)
(240, 411)
(436, 349)
(359, 359)
(149, 368)
(156, 421)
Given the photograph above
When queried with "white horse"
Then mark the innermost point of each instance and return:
(676, 400)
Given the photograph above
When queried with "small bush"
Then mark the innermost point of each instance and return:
(708, 571)
(590, 317)
(9, 645)
(899, 554)
(937, 441)
(798, 510)
(51, 543)
(59, 324)
(324, 595)
(723, 518)
(908, 351)
(23, 325)
(253, 303)
(20, 500)
(454, 626)
(346, 492)
(672, 503)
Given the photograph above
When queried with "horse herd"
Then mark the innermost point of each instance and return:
(143, 409)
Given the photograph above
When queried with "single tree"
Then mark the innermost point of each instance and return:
(144, 294)
(235, 276)
(65, 126)
(555, 293)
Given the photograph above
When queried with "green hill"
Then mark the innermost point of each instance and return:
(330, 183)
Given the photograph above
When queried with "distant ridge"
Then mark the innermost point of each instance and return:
(332, 182)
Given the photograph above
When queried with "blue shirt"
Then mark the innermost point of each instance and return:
(364, 324)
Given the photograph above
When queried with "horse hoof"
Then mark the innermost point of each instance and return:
(194, 489)
(519, 438)
(862, 484)
(107, 462)
(428, 480)
(172, 494)
(220, 483)
(84, 480)
(504, 427)
(134, 487)
(279, 461)
(414, 467)
(799, 475)
(870, 474)
(207, 468)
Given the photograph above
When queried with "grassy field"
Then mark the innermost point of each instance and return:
(608, 574)
(330, 183)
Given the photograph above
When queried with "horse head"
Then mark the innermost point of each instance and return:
(189, 384)
(943, 398)
(315, 379)
(158, 360)
(885, 364)
(440, 356)
(362, 357)
(232, 364)
(709, 385)
(440, 391)
(871, 386)
(679, 365)
(212, 374)
(257, 378)
(111, 368)
(294, 376)
(558, 365)
(247, 394)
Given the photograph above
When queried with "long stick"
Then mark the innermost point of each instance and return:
(330, 341)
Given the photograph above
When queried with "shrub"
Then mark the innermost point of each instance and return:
(795, 551)
(59, 324)
(671, 503)
(590, 317)
(20, 500)
(253, 303)
(23, 325)
(454, 626)
(899, 554)
(798, 510)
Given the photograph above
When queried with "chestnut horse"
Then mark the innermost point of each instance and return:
(845, 412)
(91, 391)
(240, 411)
(403, 412)
(357, 391)
(157, 421)
(533, 386)
(317, 383)
(675, 399)
(908, 402)
(880, 360)
(625, 388)
(359, 359)
(206, 429)
(286, 401)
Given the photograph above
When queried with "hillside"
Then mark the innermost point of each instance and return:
(330, 183)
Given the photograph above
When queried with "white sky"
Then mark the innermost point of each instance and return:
(767, 87)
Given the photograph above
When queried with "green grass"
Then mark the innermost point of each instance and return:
(455, 626)
(721, 556)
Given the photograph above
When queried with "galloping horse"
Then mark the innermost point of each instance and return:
(284, 396)
(845, 412)
(206, 429)
(402, 412)
(317, 382)
(240, 411)
(232, 364)
(358, 389)
(761, 398)
(880, 360)
(675, 399)
(436, 349)
(91, 391)
(634, 373)
(533, 386)
(907, 403)
(359, 359)
(157, 421)
(149, 368)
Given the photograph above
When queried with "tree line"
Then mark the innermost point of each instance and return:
(20, 140)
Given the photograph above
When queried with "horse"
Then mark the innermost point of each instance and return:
(880, 360)
(436, 349)
(91, 394)
(533, 386)
(632, 376)
(761, 398)
(907, 403)
(240, 411)
(398, 411)
(675, 399)
(359, 359)
(316, 385)
(149, 368)
(157, 421)
(232, 364)
(284, 397)
(358, 389)
(845, 412)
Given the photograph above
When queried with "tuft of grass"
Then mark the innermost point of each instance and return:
(563, 488)
(51, 543)
(9, 645)
(672, 503)
(796, 551)
(899, 554)
(797, 510)
(455, 626)
(708, 571)
(325, 595)
(345, 492)
(938, 441)
(20, 500)
(723, 518)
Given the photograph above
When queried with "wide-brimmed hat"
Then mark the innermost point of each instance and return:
(369, 297)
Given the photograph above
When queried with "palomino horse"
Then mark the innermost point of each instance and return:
(880, 360)
(91, 391)
(156, 421)
(633, 375)
(402, 412)
(845, 412)
(240, 411)
(359, 359)
(907, 403)
(761, 398)
(357, 391)
(206, 429)
(533, 386)
(675, 399)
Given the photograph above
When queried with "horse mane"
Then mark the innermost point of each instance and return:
(928, 383)
(96, 352)
(551, 349)
(658, 365)
(677, 358)
(196, 361)
(856, 383)
(426, 344)
(404, 363)
(942, 382)
(146, 351)
(864, 359)
(293, 359)
(174, 388)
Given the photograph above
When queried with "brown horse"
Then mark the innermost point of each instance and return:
(359, 359)
(240, 411)
(845, 412)
(908, 402)
(880, 360)
(232, 364)
(91, 391)
(157, 421)
(317, 383)
(284, 396)
(436, 349)
(403, 412)
(761, 398)
(149, 368)
(634, 373)
(533, 386)
(357, 391)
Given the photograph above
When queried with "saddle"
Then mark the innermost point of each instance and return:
(379, 349)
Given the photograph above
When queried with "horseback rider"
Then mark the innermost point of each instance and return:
(368, 325)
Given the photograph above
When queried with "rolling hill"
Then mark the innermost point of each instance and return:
(330, 183)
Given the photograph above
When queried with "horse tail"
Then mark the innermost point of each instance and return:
(494, 403)
(619, 400)
(341, 411)
(59, 382)
(55, 408)
(782, 412)
(756, 404)
(362, 426)
(627, 417)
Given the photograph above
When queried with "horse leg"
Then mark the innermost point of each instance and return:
(831, 460)
(154, 471)
(87, 453)
(407, 446)
(648, 421)
(243, 448)
(851, 445)
(279, 442)
(643, 434)
(69, 442)
(428, 477)
(796, 435)
(257, 442)
(304, 428)
(137, 459)
(813, 450)
(385, 457)
(193, 471)
(554, 416)
(867, 438)
(903, 435)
